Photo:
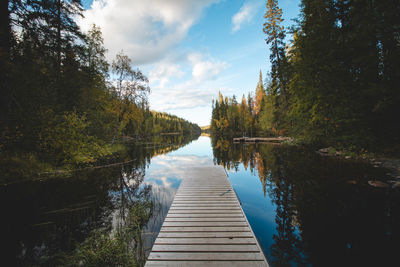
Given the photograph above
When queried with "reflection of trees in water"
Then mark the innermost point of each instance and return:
(48, 218)
(133, 209)
(286, 247)
(326, 213)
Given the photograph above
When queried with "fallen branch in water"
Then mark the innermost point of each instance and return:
(87, 168)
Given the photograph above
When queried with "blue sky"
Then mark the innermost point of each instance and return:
(189, 49)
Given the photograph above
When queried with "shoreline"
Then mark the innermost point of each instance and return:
(392, 164)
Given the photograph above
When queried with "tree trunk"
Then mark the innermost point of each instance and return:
(5, 44)
(59, 36)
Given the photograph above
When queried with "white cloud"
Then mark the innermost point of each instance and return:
(245, 14)
(163, 72)
(205, 69)
(188, 93)
(150, 33)
(185, 95)
(146, 30)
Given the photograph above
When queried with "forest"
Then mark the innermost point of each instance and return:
(334, 78)
(62, 103)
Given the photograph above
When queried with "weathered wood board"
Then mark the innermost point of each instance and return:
(206, 226)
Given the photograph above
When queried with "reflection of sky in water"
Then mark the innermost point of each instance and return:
(200, 148)
(259, 210)
(165, 174)
(168, 170)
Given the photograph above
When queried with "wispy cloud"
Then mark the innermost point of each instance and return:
(193, 90)
(244, 15)
(205, 69)
(148, 30)
(163, 72)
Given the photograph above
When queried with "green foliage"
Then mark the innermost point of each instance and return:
(267, 118)
(66, 137)
(344, 39)
(101, 249)
(335, 83)
(122, 248)
(164, 123)
(57, 100)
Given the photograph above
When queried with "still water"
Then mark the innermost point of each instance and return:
(305, 210)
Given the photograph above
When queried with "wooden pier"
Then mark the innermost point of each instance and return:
(206, 226)
(260, 139)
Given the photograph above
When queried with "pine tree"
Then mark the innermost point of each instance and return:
(279, 73)
(275, 37)
(259, 95)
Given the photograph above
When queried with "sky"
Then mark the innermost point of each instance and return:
(189, 49)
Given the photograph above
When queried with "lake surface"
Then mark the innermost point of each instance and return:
(305, 210)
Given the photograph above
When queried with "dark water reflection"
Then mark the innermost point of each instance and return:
(306, 210)
(310, 210)
(43, 221)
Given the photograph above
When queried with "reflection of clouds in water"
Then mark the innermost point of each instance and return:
(176, 161)
(165, 174)
(169, 170)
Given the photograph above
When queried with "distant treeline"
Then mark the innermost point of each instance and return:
(61, 100)
(335, 83)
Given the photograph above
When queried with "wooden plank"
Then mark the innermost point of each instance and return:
(204, 234)
(185, 224)
(205, 241)
(214, 187)
(204, 248)
(183, 188)
(203, 208)
(204, 211)
(219, 194)
(205, 201)
(193, 206)
(228, 202)
(234, 204)
(206, 229)
(199, 190)
(205, 226)
(212, 219)
(205, 197)
(215, 194)
(206, 263)
(205, 256)
(204, 215)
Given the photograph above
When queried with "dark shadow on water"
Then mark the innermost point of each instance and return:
(43, 221)
(325, 212)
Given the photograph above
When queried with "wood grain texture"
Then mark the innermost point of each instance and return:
(218, 219)
(206, 256)
(206, 226)
(207, 263)
(204, 248)
(205, 240)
